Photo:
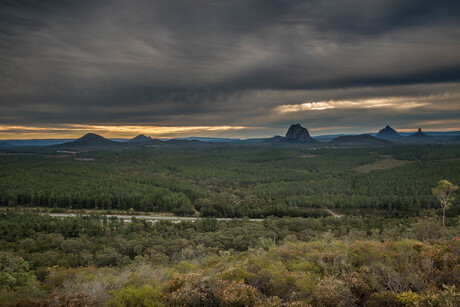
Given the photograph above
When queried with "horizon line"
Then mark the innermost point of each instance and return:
(405, 131)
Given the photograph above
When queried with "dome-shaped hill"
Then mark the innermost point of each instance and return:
(90, 140)
(140, 139)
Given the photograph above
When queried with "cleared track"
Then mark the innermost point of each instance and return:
(128, 218)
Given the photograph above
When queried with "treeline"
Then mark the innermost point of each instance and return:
(233, 181)
(95, 240)
(278, 262)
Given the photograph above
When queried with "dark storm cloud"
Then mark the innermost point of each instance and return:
(218, 62)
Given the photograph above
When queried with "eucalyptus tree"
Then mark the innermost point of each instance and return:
(443, 192)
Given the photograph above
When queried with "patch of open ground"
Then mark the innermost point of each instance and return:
(331, 212)
(384, 163)
(307, 156)
(20, 209)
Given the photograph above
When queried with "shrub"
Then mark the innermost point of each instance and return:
(449, 297)
(145, 296)
(14, 272)
(383, 298)
(408, 298)
(237, 294)
(332, 292)
(55, 300)
(193, 289)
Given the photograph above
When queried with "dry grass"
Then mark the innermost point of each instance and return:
(385, 163)
(307, 156)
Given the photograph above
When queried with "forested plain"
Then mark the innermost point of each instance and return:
(386, 249)
(234, 181)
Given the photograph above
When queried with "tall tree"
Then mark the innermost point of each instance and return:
(443, 192)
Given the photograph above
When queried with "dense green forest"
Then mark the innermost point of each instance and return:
(234, 181)
(386, 249)
(94, 261)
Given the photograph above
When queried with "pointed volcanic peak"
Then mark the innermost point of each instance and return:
(140, 139)
(419, 134)
(298, 134)
(91, 140)
(362, 140)
(388, 133)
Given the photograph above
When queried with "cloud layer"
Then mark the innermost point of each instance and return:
(230, 63)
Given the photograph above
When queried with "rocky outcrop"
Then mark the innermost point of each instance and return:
(298, 134)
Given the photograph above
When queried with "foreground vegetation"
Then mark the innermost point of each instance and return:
(388, 248)
(234, 181)
(290, 261)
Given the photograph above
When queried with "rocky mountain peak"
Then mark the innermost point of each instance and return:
(297, 133)
(388, 133)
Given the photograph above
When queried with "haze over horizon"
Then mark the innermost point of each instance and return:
(238, 69)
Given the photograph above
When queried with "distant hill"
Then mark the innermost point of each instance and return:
(254, 141)
(175, 142)
(90, 140)
(388, 133)
(298, 134)
(359, 140)
(277, 139)
(38, 142)
(140, 139)
(6, 144)
(210, 139)
(153, 142)
(327, 137)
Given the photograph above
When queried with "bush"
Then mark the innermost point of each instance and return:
(237, 294)
(408, 298)
(383, 298)
(108, 257)
(55, 300)
(14, 272)
(332, 292)
(449, 297)
(145, 296)
(209, 225)
(194, 289)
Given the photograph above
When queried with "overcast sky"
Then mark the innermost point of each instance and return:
(227, 68)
